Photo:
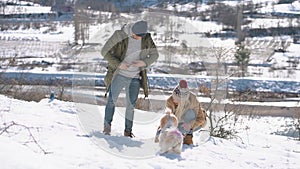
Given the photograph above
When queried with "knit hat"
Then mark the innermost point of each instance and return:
(181, 91)
(140, 28)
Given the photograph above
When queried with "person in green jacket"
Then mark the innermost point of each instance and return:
(129, 52)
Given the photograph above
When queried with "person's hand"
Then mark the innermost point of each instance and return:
(124, 66)
(187, 126)
(168, 111)
(138, 63)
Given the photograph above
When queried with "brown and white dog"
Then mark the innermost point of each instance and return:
(169, 137)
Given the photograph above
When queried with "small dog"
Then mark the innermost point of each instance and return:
(169, 137)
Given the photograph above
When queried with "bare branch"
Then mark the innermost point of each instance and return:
(12, 123)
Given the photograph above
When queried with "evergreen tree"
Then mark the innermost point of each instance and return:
(242, 58)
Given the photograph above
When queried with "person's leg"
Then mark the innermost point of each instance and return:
(114, 92)
(188, 116)
(132, 92)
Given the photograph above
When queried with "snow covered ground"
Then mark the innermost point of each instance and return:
(70, 134)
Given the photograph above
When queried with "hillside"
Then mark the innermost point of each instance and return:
(68, 136)
(259, 115)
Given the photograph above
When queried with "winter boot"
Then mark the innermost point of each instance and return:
(128, 134)
(107, 129)
(188, 139)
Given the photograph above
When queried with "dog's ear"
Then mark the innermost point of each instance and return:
(174, 120)
(168, 111)
(163, 121)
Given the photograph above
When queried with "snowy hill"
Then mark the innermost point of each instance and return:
(70, 134)
(67, 135)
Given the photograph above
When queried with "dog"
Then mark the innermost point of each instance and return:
(169, 137)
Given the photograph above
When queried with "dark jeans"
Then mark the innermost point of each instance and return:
(132, 88)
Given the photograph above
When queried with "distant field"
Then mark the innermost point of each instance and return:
(262, 49)
(31, 53)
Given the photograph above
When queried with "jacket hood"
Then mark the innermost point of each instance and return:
(127, 28)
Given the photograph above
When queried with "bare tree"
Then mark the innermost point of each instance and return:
(3, 6)
(224, 14)
(196, 5)
(81, 25)
(297, 126)
(239, 21)
(222, 118)
(5, 128)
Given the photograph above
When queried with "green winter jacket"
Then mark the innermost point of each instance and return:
(114, 52)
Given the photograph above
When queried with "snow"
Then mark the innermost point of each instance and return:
(9, 9)
(71, 135)
(64, 34)
(286, 59)
(283, 8)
